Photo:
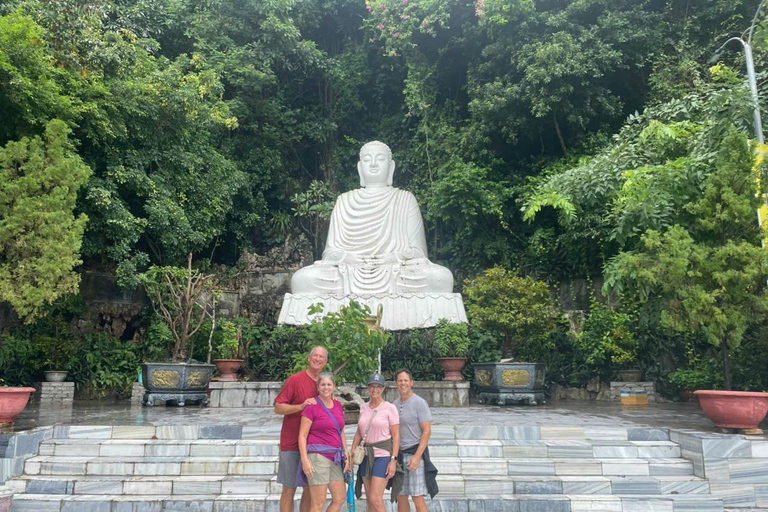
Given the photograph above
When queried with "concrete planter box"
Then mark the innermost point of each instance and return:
(181, 382)
(501, 383)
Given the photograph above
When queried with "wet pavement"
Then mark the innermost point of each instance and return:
(562, 413)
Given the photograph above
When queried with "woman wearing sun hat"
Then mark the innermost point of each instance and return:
(378, 430)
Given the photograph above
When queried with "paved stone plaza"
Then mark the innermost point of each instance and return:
(561, 457)
(572, 413)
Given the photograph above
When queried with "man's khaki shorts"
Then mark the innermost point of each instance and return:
(325, 470)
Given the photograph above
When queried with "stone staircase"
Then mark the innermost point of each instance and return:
(230, 468)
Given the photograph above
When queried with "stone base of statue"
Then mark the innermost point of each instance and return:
(400, 311)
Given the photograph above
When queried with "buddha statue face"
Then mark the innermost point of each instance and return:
(376, 166)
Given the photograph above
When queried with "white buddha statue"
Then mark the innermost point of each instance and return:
(376, 242)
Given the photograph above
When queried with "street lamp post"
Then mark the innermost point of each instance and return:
(747, 44)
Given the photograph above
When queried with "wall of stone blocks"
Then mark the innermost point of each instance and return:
(735, 465)
(15, 448)
(618, 387)
(54, 392)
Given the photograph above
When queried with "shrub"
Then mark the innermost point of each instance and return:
(105, 365)
(452, 339)
(353, 348)
(414, 350)
(272, 357)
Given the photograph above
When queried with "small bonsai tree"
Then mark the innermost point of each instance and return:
(452, 339)
(517, 308)
(353, 348)
(183, 298)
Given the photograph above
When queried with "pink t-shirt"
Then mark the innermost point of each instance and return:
(380, 430)
(323, 430)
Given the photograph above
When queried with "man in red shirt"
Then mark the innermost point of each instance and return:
(299, 390)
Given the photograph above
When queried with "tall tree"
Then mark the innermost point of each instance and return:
(40, 236)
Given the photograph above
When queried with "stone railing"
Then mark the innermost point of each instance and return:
(262, 394)
(243, 394)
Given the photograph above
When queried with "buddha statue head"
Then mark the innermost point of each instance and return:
(376, 167)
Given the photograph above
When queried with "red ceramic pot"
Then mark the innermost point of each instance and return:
(228, 368)
(452, 367)
(12, 402)
(734, 409)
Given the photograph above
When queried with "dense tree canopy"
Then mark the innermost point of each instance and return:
(205, 124)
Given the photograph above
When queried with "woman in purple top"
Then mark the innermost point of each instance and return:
(322, 446)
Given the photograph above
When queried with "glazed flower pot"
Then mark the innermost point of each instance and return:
(228, 369)
(452, 367)
(734, 409)
(12, 402)
(55, 376)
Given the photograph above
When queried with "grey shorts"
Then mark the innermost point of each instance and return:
(415, 482)
(286, 467)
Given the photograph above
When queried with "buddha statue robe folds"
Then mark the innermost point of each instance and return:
(376, 253)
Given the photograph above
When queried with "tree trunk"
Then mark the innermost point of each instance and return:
(560, 135)
(508, 350)
(726, 366)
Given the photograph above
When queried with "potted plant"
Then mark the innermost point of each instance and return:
(229, 352)
(183, 298)
(59, 354)
(516, 309)
(452, 343)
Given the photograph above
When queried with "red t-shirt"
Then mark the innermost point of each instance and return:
(323, 430)
(297, 388)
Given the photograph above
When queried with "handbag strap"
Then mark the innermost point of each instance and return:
(335, 422)
(369, 426)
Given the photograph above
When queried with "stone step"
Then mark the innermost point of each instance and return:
(270, 503)
(604, 449)
(262, 465)
(448, 432)
(449, 484)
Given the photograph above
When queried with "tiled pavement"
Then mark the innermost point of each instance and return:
(519, 459)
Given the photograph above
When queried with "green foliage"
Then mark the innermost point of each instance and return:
(452, 339)
(692, 379)
(20, 361)
(712, 271)
(40, 237)
(515, 308)
(229, 345)
(105, 365)
(353, 348)
(273, 357)
(157, 341)
(30, 90)
(606, 342)
(415, 350)
(313, 210)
